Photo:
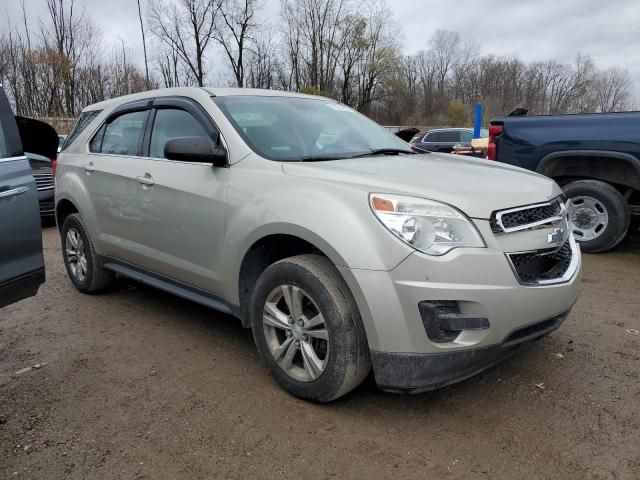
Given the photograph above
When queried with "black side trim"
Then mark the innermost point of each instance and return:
(21, 287)
(169, 285)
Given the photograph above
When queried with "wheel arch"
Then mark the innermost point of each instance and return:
(266, 246)
(617, 168)
(266, 249)
(64, 208)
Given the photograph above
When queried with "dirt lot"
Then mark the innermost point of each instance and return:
(140, 384)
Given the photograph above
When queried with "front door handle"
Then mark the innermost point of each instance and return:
(146, 180)
(12, 192)
(89, 167)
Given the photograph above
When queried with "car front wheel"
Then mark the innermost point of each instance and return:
(308, 330)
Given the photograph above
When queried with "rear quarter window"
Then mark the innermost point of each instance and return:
(83, 122)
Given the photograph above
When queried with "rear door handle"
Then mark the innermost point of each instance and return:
(146, 180)
(13, 192)
(89, 167)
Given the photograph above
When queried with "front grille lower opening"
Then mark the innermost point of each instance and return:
(536, 330)
(541, 265)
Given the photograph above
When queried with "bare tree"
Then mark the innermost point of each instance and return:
(68, 35)
(380, 56)
(313, 28)
(263, 63)
(235, 29)
(169, 66)
(186, 27)
(612, 90)
(445, 45)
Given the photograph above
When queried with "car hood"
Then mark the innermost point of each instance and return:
(477, 187)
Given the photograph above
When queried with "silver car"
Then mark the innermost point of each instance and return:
(326, 235)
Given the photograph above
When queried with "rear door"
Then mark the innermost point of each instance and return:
(110, 176)
(21, 260)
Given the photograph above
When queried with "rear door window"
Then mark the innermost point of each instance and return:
(466, 136)
(122, 135)
(452, 136)
(432, 137)
(172, 123)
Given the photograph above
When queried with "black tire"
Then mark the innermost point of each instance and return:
(97, 278)
(617, 209)
(348, 359)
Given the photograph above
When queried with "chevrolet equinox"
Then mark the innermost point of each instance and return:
(342, 249)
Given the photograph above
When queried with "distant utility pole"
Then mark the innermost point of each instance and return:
(144, 45)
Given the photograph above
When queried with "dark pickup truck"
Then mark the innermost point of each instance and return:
(595, 158)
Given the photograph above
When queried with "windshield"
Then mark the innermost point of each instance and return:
(294, 129)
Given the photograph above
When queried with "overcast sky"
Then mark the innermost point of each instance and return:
(607, 30)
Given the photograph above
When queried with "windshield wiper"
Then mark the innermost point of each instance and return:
(384, 151)
(320, 158)
(376, 151)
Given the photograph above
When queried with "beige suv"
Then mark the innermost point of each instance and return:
(327, 236)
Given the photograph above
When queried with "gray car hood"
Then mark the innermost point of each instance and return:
(477, 187)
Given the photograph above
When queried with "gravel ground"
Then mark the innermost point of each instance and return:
(140, 384)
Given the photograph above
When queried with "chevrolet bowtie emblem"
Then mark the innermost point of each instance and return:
(556, 236)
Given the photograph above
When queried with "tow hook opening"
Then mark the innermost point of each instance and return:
(443, 321)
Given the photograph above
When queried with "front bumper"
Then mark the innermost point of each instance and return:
(421, 372)
(482, 284)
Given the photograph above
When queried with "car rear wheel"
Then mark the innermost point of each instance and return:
(80, 259)
(308, 330)
(598, 214)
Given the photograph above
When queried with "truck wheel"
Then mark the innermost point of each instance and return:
(80, 259)
(308, 329)
(598, 214)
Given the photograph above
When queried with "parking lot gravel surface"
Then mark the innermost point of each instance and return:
(136, 383)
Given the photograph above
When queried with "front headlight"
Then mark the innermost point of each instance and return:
(431, 227)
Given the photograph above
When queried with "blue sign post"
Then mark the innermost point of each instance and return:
(477, 120)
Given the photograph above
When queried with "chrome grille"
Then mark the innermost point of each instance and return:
(44, 181)
(529, 216)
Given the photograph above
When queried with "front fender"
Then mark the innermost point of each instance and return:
(334, 218)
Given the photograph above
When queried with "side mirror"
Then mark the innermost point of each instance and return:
(195, 149)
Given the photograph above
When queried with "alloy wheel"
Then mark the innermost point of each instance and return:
(296, 333)
(76, 257)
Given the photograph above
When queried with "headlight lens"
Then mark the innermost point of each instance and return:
(431, 227)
